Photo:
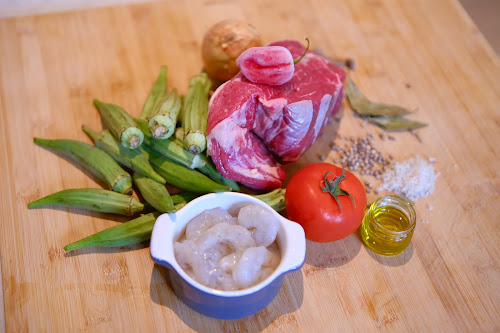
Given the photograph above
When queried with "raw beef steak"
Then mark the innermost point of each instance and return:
(252, 127)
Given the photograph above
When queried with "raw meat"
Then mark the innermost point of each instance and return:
(253, 128)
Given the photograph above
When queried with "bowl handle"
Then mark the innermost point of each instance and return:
(295, 256)
(162, 238)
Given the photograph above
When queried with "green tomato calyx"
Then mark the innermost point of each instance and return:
(333, 187)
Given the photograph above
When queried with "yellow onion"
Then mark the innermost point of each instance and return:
(222, 45)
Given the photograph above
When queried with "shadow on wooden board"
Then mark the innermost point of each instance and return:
(393, 261)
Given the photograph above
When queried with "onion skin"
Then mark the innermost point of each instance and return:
(223, 44)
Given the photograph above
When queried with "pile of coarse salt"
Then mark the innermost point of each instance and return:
(412, 178)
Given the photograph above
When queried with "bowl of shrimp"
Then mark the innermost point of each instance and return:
(227, 253)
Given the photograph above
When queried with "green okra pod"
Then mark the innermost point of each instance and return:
(164, 120)
(171, 149)
(179, 205)
(275, 198)
(130, 158)
(120, 124)
(195, 113)
(94, 199)
(175, 152)
(182, 177)
(157, 92)
(154, 193)
(96, 160)
(184, 197)
(179, 136)
(131, 232)
(210, 170)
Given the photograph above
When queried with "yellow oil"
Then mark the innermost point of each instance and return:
(387, 230)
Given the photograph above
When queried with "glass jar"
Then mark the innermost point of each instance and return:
(388, 225)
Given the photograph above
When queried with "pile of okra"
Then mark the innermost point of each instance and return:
(165, 145)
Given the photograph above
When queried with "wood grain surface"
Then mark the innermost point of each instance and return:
(425, 55)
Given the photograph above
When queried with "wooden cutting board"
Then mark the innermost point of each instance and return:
(425, 55)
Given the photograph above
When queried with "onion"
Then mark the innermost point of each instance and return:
(222, 45)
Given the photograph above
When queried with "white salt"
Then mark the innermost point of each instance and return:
(412, 178)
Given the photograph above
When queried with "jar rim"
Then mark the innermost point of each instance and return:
(407, 205)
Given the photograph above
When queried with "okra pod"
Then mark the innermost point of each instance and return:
(275, 199)
(95, 199)
(182, 177)
(175, 152)
(184, 197)
(154, 193)
(179, 206)
(164, 120)
(157, 92)
(120, 124)
(94, 159)
(179, 136)
(171, 149)
(131, 232)
(210, 170)
(195, 113)
(130, 158)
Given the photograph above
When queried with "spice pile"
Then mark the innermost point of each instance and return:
(412, 178)
(362, 156)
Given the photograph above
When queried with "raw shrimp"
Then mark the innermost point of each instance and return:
(221, 254)
(247, 271)
(185, 253)
(202, 267)
(261, 222)
(225, 238)
(228, 262)
(210, 247)
(225, 282)
(206, 220)
(188, 257)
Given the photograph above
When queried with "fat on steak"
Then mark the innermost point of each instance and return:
(253, 128)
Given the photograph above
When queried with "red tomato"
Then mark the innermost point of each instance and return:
(317, 211)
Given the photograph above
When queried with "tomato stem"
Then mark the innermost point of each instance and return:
(333, 187)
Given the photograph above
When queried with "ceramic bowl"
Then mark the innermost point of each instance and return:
(216, 303)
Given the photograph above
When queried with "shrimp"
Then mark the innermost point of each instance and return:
(225, 238)
(203, 267)
(226, 253)
(188, 256)
(247, 271)
(206, 220)
(225, 281)
(185, 254)
(261, 222)
(228, 262)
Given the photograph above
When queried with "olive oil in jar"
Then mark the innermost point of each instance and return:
(388, 225)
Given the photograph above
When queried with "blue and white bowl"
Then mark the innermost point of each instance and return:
(216, 303)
